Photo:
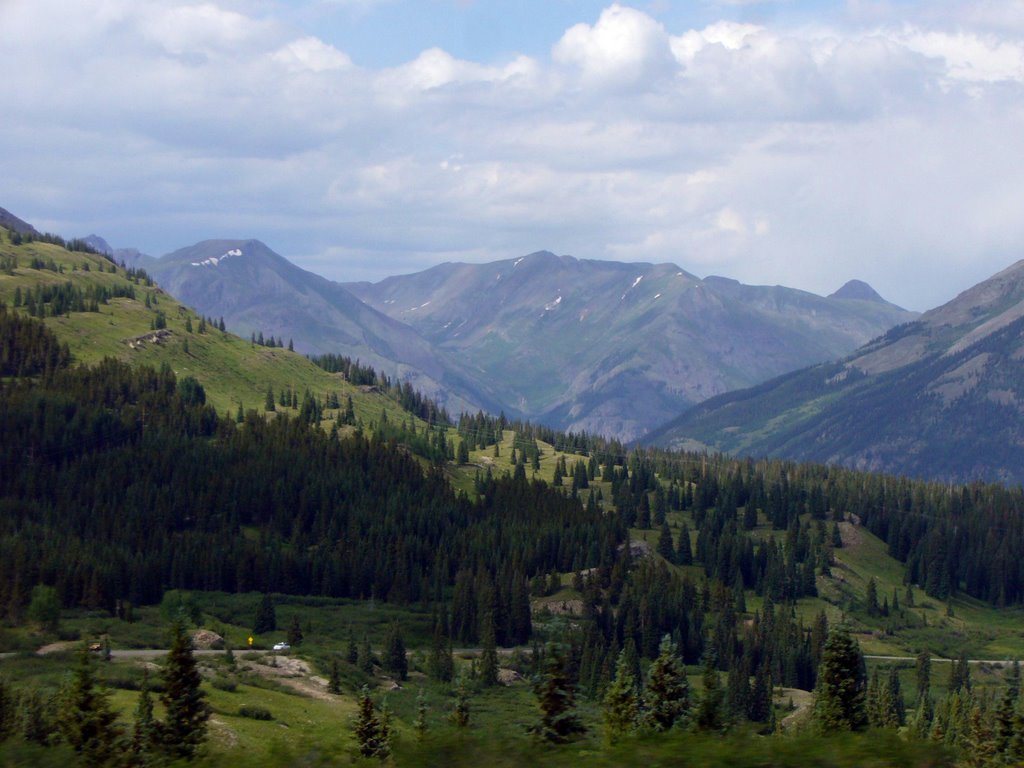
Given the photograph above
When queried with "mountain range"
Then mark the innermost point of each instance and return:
(609, 348)
(941, 397)
(617, 348)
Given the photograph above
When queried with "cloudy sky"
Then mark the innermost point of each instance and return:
(791, 142)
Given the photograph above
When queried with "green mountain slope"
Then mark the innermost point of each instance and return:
(258, 291)
(938, 398)
(233, 371)
(618, 348)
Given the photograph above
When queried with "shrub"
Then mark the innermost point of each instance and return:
(255, 713)
(224, 684)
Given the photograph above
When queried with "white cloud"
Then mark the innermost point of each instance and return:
(795, 155)
(971, 57)
(624, 46)
(311, 54)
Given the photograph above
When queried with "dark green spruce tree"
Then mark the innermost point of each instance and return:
(86, 720)
(667, 695)
(266, 616)
(842, 683)
(184, 727)
(556, 698)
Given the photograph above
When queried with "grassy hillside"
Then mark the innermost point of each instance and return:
(232, 370)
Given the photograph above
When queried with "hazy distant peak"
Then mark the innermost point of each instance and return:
(858, 289)
(97, 242)
(9, 221)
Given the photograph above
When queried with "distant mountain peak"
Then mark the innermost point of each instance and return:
(99, 244)
(858, 289)
(9, 221)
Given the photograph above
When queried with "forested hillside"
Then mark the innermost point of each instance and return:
(119, 483)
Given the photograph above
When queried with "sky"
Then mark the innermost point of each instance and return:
(772, 141)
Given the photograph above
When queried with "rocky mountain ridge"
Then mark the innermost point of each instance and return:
(941, 397)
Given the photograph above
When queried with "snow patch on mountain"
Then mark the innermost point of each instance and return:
(213, 261)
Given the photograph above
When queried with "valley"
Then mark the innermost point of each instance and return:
(495, 555)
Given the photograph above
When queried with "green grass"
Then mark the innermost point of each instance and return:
(232, 370)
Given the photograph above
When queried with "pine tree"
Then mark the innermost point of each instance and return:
(980, 746)
(266, 616)
(395, 660)
(684, 553)
(839, 705)
(760, 706)
(86, 720)
(737, 690)
(556, 697)
(489, 655)
(891, 711)
(460, 710)
(710, 714)
(667, 695)
(351, 651)
(365, 662)
(442, 666)
(871, 598)
(1007, 708)
(367, 727)
(924, 674)
(268, 403)
(146, 736)
(665, 547)
(334, 683)
(295, 631)
(184, 728)
(384, 741)
(419, 725)
(621, 707)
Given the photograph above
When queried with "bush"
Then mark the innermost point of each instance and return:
(224, 684)
(255, 713)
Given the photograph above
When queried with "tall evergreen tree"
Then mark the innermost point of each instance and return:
(556, 698)
(187, 712)
(1008, 704)
(334, 683)
(923, 671)
(665, 546)
(621, 706)
(489, 655)
(840, 701)
(367, 729)
(295, 631)
(266, 616)
(146, 737)
(667, 694)
(86, 720)
(395, 660)
(710, 711)
(419, 725)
